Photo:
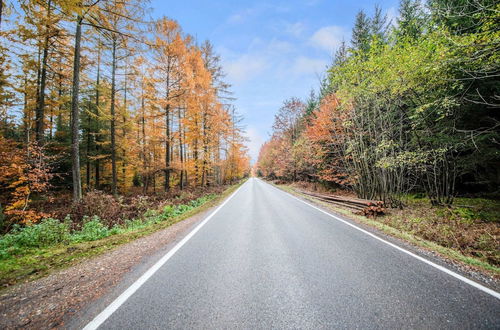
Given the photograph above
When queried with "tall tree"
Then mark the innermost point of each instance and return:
(360, 39)
(40, 106)
(378, 24)
(169, 50)
(411, 19)
(75, 114)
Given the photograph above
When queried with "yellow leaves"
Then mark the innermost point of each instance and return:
(22, 172)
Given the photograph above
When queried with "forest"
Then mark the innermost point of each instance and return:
(410, 106)
(407, 115)
(105, 111)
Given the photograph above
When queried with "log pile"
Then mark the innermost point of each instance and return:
(359, 206)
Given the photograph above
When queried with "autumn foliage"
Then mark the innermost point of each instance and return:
(405, 108)
(23, 172)
(94, 98)
(307, 146)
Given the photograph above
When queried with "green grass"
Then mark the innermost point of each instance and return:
(464, 233)
(35, 251)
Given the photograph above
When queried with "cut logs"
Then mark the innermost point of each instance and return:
(364, 207)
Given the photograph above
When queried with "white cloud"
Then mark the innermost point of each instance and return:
(242, 15)
(306, 65)
(279, 47)
(261, 55)
(244, 68)
(255, 142)
(295, 29)
(329, 37)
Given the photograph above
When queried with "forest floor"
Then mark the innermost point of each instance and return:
(467, 234)
(76, 275)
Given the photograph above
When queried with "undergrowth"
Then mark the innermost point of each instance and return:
(51, 232)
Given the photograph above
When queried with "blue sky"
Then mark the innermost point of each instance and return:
(271, 50)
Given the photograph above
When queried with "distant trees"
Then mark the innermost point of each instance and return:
(111, 101)
(412, 109)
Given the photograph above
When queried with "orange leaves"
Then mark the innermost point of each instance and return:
(186, 132)
(302, 151)
(22, 173)
(326, 133)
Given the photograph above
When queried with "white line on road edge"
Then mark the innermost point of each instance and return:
(441, 268)
(103, 316)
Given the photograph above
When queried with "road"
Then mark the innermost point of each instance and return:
(267, 260)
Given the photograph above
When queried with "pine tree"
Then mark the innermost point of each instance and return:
(411, 20)
(360, 40)
(378, 26)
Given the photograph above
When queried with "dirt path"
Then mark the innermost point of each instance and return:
(51, 301)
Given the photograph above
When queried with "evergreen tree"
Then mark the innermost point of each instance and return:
(360, 40)
(411, 21)
(378, 26)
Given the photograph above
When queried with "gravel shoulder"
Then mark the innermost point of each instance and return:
(67, 298)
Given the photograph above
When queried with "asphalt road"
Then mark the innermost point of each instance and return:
(266, 260)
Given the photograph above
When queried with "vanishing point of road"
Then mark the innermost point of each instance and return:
(264, 259)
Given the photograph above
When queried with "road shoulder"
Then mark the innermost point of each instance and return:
(418, 246)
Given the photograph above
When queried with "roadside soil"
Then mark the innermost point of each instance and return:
(52, 301)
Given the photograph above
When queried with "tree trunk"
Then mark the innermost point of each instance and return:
(181, 151)
(124, 132)
(39, 114)
(97, 137)
(75, 125)
(167, 147)
(87, 151)
(143, 144)
(113, 119)
(1, 11)
(26, 114)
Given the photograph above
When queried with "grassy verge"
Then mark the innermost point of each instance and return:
(36, 251)
(454, 233)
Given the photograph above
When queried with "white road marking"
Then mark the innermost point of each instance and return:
(441, 268)
(106, 313)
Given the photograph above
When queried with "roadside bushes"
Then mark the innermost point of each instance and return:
(92, 230)
(114, 211)
(51, 232)
(109, 209)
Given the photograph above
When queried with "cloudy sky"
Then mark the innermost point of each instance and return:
(271, 50)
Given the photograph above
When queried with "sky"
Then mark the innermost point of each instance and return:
(270, 50)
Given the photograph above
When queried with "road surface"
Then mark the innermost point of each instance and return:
(267, 260)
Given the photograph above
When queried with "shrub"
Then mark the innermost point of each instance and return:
(51, 231)
(168, 211)
(91, 230)
(48, 232)
(97, 203)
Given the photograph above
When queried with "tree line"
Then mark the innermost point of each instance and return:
(407, 106)
(94, 95)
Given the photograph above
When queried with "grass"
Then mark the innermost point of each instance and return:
(467, 233)
(36, 251)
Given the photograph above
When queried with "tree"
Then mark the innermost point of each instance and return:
(40, 107)
(360, 39)
(411, 20)
(378, 25)
(127, 109)
(169, 50)
(75, 114)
